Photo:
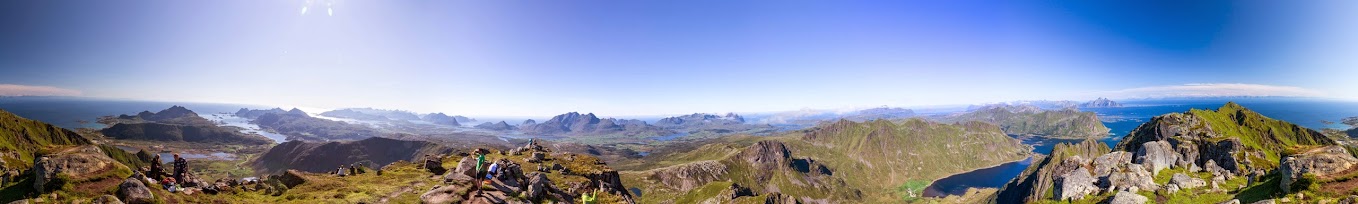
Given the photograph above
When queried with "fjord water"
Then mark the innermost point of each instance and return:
(1308, 113)
(74, 112)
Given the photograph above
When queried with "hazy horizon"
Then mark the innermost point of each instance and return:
(533, 59)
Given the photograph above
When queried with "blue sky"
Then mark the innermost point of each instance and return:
(540, 58)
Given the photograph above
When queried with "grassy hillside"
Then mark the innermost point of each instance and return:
(21, 138)
(873, 160)
(1025, 120)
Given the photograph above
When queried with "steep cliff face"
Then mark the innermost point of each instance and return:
(1041, 176)
(322, 157)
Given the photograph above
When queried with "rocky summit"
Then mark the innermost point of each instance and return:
(1231, 153)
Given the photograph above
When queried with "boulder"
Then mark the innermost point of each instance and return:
(1321, 162)
(1186, 182)
(1124, 197)
(1131, 176)
(1075, 185)
(1232, 201)
(1156, 155)
(80, 161)
(292, 178)
(538, 186)
(133, 191)
(1269, 201)
(466, 167)
(1105, 164)
(106, 199)
(443, 195)
(433, 165)
(1172, 188)
(1223, 154)
(536, 157)
(779, 198)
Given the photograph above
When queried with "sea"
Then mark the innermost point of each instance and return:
(1307, 112)
(82, 112)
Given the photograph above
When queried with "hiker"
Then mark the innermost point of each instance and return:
(157, 172)
(590, 197)
(480, 175)
(491, 172)
(340, 171)
(353, 169)
(181, 166)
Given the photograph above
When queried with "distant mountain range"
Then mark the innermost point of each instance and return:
(1032, 120)
(1101, 103)
(176, 124)
(809, 118)
(296, 124)
(371, 114)
(576, 124)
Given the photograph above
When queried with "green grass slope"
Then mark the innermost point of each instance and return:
(21, 138)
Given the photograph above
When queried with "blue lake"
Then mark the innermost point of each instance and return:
(1308, 113)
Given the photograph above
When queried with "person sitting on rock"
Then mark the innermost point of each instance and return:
(157, 172)
(490, 172)
(181, 166)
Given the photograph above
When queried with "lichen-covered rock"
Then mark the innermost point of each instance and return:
(1124, 197)
(1075, 185)
(1321, 162)
(1186, 182)
(106, 199)
(1157, 155)
(1105, 164)
(538, 186)
(443, 195)
(80, 161)
(1132, 176)
(466, 167)
(133, 191)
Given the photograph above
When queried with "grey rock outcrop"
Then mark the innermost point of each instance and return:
(1075, 185)
(1132, 176)
(689, 176)
(1107, 163)
(1157, 155)
(1320, 162)
(106, 199)
(1183, 181)
(133, 191)
(1124, 197)
(443, 195)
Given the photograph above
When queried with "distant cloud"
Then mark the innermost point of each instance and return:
(1213, 90)
(26, 90)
